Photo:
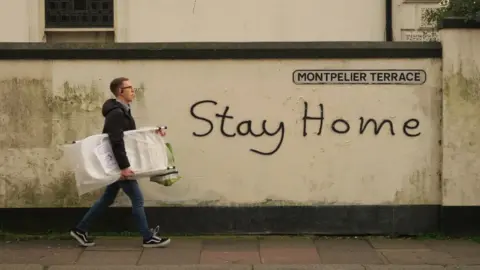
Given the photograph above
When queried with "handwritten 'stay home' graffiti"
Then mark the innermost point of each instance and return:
(337, 126)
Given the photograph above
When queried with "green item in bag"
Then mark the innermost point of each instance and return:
(169, 176)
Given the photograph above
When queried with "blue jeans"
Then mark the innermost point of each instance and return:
(131, 188)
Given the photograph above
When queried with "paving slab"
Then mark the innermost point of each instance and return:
(289, 256)
(230, 251)
(343, 245)
(128, 244)
(465, 252)
(169, 257)
(455, 247)
(154, 267)
(404, 267)
(39, 244)
(39, 255)
(229, 257)
(351, 257)
(230, 245)
(462, 267)
(310, 267)
(418, 257)
(398, 244)
(463, 260)
(287, 243)
(179, 252)
(21, 267)
(287, 251)
(109, 258)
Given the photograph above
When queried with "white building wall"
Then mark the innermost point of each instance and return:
(250, 20)
(22, 21)
(227, 21)
(408, 24)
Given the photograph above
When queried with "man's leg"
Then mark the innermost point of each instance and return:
(107, 199)
(150, 239)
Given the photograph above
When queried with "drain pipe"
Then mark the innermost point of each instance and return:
(388, 20)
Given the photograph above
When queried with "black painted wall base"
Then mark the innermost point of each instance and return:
(460, 220)
(322, 220)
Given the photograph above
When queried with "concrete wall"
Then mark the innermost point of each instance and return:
(51, 102)
(461, 116)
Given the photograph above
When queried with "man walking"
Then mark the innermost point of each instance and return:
(118, 119)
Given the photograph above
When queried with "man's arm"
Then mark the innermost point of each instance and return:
(114, 128)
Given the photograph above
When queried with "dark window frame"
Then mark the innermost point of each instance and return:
(79, 13)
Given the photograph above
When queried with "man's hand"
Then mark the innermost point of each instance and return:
(126, 173)
(161, 131)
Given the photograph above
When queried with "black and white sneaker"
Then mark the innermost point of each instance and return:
(82, 238)
(155, 241)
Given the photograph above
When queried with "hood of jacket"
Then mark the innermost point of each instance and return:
(110, 105)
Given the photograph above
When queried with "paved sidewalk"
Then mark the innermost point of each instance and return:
(244, 254)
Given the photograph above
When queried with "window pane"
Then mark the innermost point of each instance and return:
(78, 13)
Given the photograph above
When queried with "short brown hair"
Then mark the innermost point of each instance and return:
(116, 84)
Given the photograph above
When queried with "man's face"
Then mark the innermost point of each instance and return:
(127, 91)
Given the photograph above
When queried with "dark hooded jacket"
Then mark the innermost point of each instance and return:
(118, 119)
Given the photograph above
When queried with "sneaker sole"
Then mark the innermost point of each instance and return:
(163, 244)
(80, 241)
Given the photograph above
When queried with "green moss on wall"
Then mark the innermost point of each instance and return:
(60, 192)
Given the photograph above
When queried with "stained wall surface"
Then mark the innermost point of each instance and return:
(461, 133)
(213, 109)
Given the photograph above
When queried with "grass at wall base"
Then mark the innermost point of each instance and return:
(6, 237)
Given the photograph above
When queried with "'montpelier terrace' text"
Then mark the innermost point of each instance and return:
(359, 77)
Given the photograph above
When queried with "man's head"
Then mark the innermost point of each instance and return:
(122, 89)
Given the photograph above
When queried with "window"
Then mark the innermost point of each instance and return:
(78, 13)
